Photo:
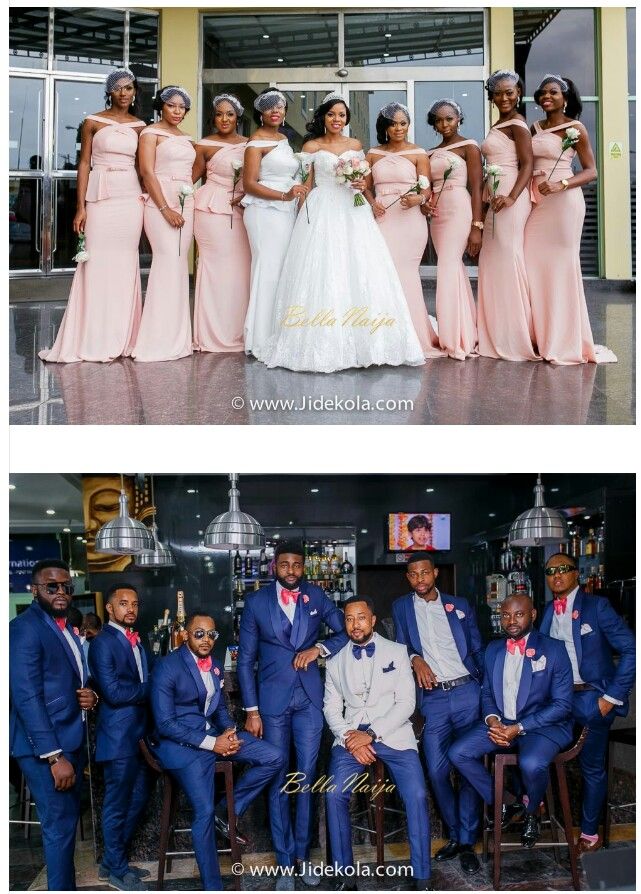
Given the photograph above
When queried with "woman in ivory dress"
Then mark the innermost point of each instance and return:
(339, 302)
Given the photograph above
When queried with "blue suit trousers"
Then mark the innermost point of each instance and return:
(127, 783)
(58, 813)
(586, 712)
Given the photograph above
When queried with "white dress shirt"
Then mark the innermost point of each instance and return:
(512, 670)
(134, 649)
(437, 641)
(209, 741)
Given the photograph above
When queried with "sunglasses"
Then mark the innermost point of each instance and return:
(199, 634)
(559, 569)
(53, 588)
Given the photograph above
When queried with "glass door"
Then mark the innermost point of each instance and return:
(302, 99)
(365, 101)
(26, 174)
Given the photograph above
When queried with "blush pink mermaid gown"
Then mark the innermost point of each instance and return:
(224, 258)
(552, 245)
(504, 312)
(165, 328)
(103, 312)
(405, 232)
(455, 308)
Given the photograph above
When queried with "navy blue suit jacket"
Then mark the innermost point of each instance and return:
(122, 712)
(262, 638)
(178, 697)
(608, 633)
(464, 630)
(544, 699)
(43, 678)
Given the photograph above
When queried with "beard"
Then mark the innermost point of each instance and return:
(283, 583)
(52, 612)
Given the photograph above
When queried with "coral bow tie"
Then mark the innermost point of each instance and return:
(204, 664)
(287, 595)
(514, 644)
(133, 638)
(61, 622)
(560, 605)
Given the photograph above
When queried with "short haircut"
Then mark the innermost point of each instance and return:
(92, 620)
(289, 546)
(47, 563)
(569, 559)
(419, 521)
(366, 599)
(421, 557)
(113, 589)
(74, 616)
(197, 613)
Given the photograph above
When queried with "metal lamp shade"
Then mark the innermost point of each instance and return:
(124, 536)
(161, 557)
(234, 529)
(538, 526)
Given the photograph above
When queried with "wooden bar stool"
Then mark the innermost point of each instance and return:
(168, 813)
(623, 736)
(26, 804)
(501, 761)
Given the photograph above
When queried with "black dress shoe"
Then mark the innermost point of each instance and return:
(510, 813)
(469, 860)
(531, 831)
(222, 827)
(448, 851)
(423, 884)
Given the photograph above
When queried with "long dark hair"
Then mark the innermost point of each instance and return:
(573, 104)
(316, 127)
(135, 107)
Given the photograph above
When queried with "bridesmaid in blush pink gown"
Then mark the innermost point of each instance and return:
(166, 158)
(504, 312)
(561, 322)
(103, 312)
(396, 168)
(224, 258)
(456, 227)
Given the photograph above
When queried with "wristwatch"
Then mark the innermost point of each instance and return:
(565, 183)
(54, 758)
(478, 224)
(370, 732)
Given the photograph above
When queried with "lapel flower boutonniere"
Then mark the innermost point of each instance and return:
(217, 671)
(530, 653)
(575, 614)
(449, 607)
(305, 598)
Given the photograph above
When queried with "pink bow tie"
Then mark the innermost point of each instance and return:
(287, 595)
(133, 638)
(560, 605)
(514, 644)
(204, 664)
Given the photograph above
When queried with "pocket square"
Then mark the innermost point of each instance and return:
(314, 612)
(539, 664)
(390, 667)
(459, 613)
(585, 628)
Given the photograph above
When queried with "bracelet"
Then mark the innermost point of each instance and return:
(423, 200)
(282, 196)
(163, 208)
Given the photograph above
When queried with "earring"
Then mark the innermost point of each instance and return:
(133, 100)
(565, 105)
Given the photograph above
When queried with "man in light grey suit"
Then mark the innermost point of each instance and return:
(369, 699)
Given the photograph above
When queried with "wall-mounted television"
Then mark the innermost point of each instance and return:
(407, 531)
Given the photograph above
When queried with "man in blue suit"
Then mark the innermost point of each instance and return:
(591, 631)
(193, 728)
(444, 645)
(527, 704)
(49, 699)
(280, 628)
(118, 666)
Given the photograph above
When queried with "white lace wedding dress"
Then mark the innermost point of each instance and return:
(339, 302)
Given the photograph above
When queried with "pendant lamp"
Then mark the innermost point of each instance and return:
(123, 535)
(162, 556)
(234, 529)
(538, 526)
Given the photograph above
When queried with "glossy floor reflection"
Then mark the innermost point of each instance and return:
(233, 389)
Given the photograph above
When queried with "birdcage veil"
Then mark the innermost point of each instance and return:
(117, 78)
(233, 101)
(270, 100)
(389, 110)
(168, 92)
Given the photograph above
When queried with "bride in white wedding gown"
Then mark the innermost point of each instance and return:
(339, 302)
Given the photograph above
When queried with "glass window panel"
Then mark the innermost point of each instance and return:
(246, 93)
(28, 34)
(632, 117)
(546, 40)
(143, 45)
(74, 101)
(631, 22)
(414, 38)
(64, 209)
(90, 40)
(364, 107)
(300, 110)
(146, 93)
(25, 124)
(270, 41)
(25, 203)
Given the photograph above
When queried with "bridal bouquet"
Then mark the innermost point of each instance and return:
(570, 139)
(304, 168)
(422, 183)
(237, 168)
(81, 249)
(493, 172)
(348, 169)
(186, 190)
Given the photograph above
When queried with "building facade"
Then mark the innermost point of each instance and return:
(59, 58)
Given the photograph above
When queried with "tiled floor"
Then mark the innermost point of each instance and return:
(219, 388)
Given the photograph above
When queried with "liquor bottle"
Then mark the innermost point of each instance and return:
(164, 633)
(600, 581)
(324, 564)
(346, 566)
(248, 564)
(263, 566)
(341, 592)
(178, 626)
(308, 566)
(590, 544)
(333, 563)
(315, 566)
(575, 545)
(331, 589)
(600, 540)
(348, 589)
(238, 564)
(155, 641)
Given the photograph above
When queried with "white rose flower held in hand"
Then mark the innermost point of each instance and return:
(304, 170)
(81, 254)
(423, 182)
(494, 172)
(452, 166)
(186, 190)
(572, 136)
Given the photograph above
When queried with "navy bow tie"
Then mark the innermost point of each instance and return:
(358, 650)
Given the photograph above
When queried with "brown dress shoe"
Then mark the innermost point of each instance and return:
(583, 846)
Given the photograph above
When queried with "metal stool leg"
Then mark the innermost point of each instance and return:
(567, 823)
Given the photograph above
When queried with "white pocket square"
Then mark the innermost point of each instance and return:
(314, 612)
(585, 628)
(459, 613)
(539, 664)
